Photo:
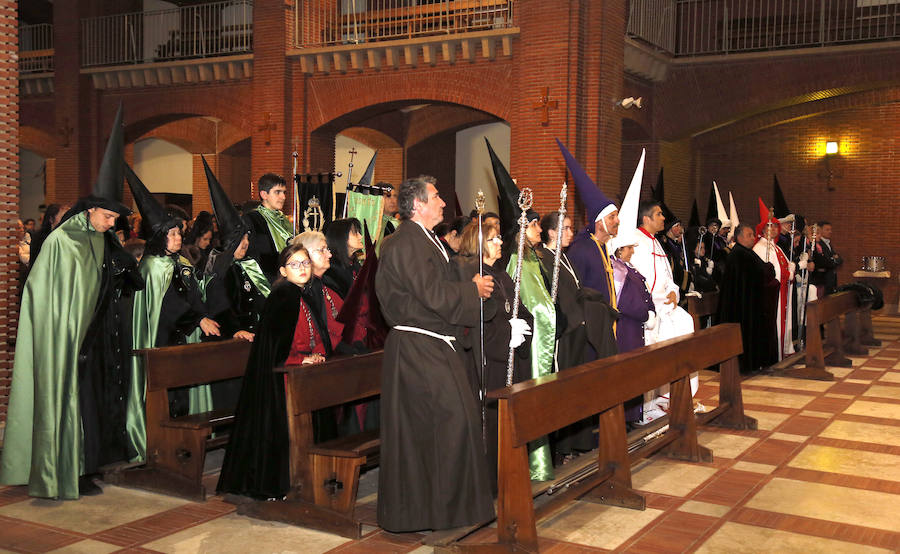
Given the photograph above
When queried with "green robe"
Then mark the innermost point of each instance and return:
(157, 272)
(534, 296)
(43, 445)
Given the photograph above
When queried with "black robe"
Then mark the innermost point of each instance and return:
(497, 331)
(746, 298)
(433, 472)
(180, 313)
(104, 371)
(587, 335)
(261, 246)
(257, 459)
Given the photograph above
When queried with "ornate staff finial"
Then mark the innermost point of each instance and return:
(479, 201)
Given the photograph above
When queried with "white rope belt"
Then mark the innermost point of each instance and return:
(446, 338)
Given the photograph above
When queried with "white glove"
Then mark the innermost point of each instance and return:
(802, 264)
(792, 268)
(709, 267)
(650, 324)
(518, 330)
(697, 261)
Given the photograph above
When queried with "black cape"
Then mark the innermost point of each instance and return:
(261, 246)
(746, 299)
(257, 459)
(433, 472)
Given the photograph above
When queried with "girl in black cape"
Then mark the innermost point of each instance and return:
(257, 459)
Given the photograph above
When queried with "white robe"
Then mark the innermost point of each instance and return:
(650, 260)
(785, 327)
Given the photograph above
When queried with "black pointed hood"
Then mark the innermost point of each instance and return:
(509, 196)
(712, 212)
(231, 226)
(107, 192)
(694, 221)
(780, 204)
(366, 179)
(154, 218)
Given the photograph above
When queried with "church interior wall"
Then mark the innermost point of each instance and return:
(31, 191)
(473, 164)
(855, 189)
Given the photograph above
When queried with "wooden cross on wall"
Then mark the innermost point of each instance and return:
(268, 127)
(65, 132)
(546, 105)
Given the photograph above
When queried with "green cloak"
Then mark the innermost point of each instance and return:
(157, 272)
(44, 442)
(534, 296)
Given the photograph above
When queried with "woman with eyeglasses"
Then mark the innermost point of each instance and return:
(500, 330)
(257, 457)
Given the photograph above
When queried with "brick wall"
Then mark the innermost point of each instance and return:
(864, 199)
(9, 192)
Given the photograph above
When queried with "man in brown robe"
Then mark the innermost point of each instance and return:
(433, 471)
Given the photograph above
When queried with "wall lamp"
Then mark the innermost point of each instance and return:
(831, 147)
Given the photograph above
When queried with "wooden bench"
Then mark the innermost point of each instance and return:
(706, 305)
(176, 447)
(854, 339)
(535, 408)
(324, 476)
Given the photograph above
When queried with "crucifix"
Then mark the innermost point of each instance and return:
(66, 132)
(268, 127)
(546, 105)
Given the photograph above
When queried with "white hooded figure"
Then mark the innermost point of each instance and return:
(650, 260)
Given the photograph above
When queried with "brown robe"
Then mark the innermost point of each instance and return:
(433, 473)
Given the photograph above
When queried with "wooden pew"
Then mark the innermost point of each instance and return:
(324, 476)
(857, 335)
(706, 305)
(176, 447)
(535, 408)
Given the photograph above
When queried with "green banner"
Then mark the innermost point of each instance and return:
(366, 208)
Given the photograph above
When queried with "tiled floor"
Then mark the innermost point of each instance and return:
(822, 474)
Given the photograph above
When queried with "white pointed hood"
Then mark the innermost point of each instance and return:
(720, 207)
(629, 211)
(732, 215)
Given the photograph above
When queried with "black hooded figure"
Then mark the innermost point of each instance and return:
(236, 287)
(172, 300)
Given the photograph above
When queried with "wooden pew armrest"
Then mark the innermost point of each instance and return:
(362, 444)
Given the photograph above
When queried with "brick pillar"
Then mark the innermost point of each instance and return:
(541, 60)
(9, 192)
(74, 113)
(271, 91)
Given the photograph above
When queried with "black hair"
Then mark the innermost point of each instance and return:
(337, 234)
(384, 185)
(823, 223)
(269, 180)
(410, 191)
(549, 221)
(156, 244)
(31, 219)
(645, 209)
(202, 224)
(442, 229)
(49, 216)
(486, 215)
(459, 223)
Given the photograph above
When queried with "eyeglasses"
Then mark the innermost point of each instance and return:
(297, 265)
(321, 250)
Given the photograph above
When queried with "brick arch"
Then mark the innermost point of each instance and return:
(345, 101)
(372, 138)
(39, 141)
(197, 135)
(728, 91)
(148, 109)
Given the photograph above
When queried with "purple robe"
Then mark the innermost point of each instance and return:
(588, 262)
(634, 304)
